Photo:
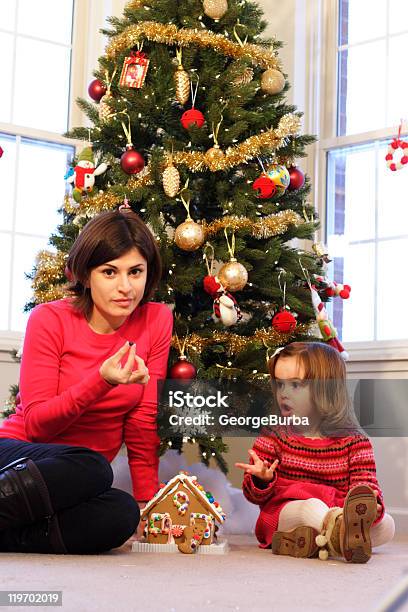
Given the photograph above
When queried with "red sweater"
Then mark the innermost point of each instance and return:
(323, 468)
(64, 399)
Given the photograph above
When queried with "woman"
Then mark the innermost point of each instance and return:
(88, 382)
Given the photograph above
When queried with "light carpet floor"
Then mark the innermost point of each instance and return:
(247, 578)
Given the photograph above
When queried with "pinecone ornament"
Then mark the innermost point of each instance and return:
(171, 181)
(105, 111)
(244, 78)
(182, 82)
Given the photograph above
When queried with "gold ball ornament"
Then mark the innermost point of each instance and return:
(189, 236)
(272, 81)
(182, 83)
(233, 275)
(214, 157)
(215, 9)
(171, 181)
(105, 111)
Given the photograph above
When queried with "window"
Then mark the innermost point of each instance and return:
(36, 48)
(366, 214)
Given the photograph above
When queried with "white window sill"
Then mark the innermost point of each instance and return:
(10, 341)
(384, 350)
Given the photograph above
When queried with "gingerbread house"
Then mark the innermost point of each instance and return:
(182, 502)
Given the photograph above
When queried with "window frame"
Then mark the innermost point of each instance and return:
(82, 24)
(325, 43)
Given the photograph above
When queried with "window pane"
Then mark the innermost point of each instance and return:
(25, 251)
(351, 193)
(49, 19)
(358, 311)
(398, 15)
(6, 72)
(7, 180)
(40, 192)
(392, 199)
(367, 19)
(362, 88)
(42, 85)
(391, 255)
(8, 15)
(397, 85)
(5, 254)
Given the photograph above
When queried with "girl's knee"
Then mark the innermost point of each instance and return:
(384, 531)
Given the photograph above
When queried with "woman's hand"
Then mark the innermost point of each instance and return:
(113, 372)
(260, 469)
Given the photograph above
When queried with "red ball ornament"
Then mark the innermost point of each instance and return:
(1, 152)
(131, 161)
(297, 178)
(284, 322)
(264, 186)
(183, 370)
(192, 117)
(96, 90)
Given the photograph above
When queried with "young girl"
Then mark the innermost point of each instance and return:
(316, 487)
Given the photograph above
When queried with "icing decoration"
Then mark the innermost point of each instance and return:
(181, 506)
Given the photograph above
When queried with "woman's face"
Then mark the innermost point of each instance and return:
(117, 287)
(293, 392)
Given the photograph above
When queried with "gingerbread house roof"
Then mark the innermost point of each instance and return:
(191, 483)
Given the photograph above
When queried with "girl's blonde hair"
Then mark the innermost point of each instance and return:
(325, 372)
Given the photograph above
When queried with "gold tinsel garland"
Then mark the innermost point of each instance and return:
(170, 34)
(269, 226)
(272, 139)
(49, 270)
(235, 343)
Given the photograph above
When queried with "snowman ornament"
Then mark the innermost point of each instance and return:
(84, 175)
(225, 307)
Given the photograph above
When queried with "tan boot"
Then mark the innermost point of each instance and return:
(299, 542)
(346, 531)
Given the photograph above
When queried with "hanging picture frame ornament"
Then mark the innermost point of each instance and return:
(134, 69)
(397, 145)
(189, 236)
(233, 275)
(283, 321)
(132, 162)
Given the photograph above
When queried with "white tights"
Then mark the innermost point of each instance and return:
(311, 512)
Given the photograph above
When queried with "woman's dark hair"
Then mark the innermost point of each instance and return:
(108, 236)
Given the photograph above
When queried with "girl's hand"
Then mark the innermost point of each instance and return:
(112, 371)
(260, 468)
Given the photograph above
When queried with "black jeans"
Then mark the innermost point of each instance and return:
(93, 516)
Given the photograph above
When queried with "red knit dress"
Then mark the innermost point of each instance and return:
(322, 468)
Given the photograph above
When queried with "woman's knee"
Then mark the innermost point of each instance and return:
(124, 513)
(97, 463)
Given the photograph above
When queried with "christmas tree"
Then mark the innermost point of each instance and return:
(189, 127)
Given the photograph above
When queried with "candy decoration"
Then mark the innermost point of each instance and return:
(264, 187)
(284, 321)
(171, 180)
(181, 80)
(181, 505)
(280, 177)
(272, 81)
(297, 179)
(96, 90)
(215, 9)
